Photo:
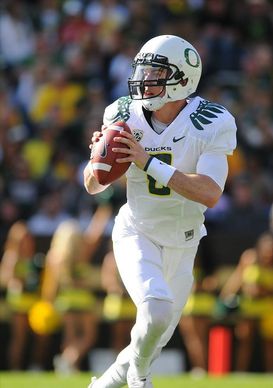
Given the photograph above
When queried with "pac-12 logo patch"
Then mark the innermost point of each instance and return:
(189, 234)
(138, 134)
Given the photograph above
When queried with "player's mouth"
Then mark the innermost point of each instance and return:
(148, 94)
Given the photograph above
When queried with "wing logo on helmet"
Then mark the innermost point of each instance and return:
(148, 58)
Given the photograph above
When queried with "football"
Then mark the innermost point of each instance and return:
(105, 168)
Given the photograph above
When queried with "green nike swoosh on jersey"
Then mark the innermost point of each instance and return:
(176, 139)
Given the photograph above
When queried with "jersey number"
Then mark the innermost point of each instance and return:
(153, 186)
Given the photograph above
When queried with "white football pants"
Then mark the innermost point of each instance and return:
(151, 272)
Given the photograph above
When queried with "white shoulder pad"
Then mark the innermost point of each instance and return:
(118, 110)
(224, 139)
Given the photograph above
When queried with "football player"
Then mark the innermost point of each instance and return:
(178, 149)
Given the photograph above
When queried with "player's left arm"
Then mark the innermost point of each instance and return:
(199, 187)
(206, 185)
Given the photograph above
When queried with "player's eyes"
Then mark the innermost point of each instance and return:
(155, 74)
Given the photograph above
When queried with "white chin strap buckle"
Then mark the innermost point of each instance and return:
(153, 103)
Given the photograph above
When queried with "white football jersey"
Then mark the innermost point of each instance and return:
(166, 217)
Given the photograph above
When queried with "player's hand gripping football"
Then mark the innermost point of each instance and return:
(135, 153)
(96, 136)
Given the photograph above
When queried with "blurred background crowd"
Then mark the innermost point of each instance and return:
(61, 63)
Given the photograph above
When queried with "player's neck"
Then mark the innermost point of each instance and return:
(169, 111)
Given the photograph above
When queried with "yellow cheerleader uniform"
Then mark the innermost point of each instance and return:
(118, 307)
(257, 307)
(76, 298)
(21, 300)
(200, 302)
(261, 307)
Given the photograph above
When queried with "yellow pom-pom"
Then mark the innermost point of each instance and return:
(43, 318)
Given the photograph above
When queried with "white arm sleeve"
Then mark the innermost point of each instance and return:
(215, 166)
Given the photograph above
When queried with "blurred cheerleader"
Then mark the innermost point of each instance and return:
(69, 283)
(252, 281)
(20, 274)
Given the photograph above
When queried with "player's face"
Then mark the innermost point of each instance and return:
(153, 76)
(151, 80)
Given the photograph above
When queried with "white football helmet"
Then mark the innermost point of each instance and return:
(167, 61)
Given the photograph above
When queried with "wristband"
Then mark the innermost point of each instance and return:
(160, 171)
(148, 163)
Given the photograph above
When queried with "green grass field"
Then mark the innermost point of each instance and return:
(81, 380)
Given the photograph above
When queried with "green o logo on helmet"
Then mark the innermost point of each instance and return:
(192, 58)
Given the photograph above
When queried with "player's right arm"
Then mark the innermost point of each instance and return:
(91, 185)
(113, 112)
